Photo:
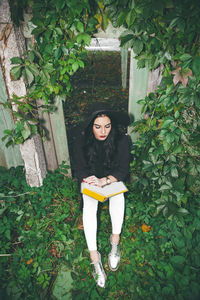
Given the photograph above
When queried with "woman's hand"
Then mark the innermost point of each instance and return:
(95, 181)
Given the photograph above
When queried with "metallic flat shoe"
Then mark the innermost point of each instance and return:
(114, 257)
(99, 273)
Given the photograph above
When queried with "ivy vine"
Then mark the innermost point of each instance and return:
(62, 30)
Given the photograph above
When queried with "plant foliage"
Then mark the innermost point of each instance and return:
(41, 234)
(61, 31)
(160, 242)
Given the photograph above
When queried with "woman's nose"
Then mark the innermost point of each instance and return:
(103, 130)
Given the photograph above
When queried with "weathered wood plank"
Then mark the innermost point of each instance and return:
(138, 84)
(59, 133)
(9, 157)
(48, 143)
(124, 62)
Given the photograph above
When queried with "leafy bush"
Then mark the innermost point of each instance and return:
(41, 229)
(36, 231)
(160, 244)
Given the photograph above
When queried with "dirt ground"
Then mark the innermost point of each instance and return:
(100, 80)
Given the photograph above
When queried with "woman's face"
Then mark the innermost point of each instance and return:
(101, 127)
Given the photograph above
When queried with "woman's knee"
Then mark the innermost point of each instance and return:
(89, 204)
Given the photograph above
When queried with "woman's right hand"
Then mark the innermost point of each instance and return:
(100, 182)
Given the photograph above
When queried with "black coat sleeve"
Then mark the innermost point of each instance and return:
(121, 169)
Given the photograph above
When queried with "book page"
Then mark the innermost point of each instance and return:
(113, 188)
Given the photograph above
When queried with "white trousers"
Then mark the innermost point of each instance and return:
(90, 206)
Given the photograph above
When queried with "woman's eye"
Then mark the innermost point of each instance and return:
(108, 126)
(97, 127)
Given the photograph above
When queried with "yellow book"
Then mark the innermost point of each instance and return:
(103, 193)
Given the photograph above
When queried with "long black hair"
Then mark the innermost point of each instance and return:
(108, 147)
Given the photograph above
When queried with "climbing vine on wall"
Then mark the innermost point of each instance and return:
(62, 30)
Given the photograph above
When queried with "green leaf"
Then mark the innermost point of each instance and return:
(183, 211)
(59, 4)
(28, 76)
(174, 172)
(2, 209)
(196, 66)
(31, 56)
(7, 234)
(130, 17)
(185, 57)
(137, 46)
(15, 72)
(8, 132)
(34, 129)
(81, 63)
(177, 259)
(16, 60)
(122, 17)
(83, 37)
(179, 242)
(80, 26)
(174, 22)
(57, 53)
(164, 187)
(178, 149)
(18, 140)
(170, 138)
(105, 22)
(177, 114)
(75, 66)
(9, 143)
(48, 67)
(179, 184)
(166, 145)
(59, 31)
(26, 132)
(125, 39)
(33, 68)
(167, 122)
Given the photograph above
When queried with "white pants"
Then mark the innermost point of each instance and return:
(90, 205)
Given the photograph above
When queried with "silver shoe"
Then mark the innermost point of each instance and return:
(99, 273)
(114, 257)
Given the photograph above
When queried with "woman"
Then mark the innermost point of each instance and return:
(101, 157)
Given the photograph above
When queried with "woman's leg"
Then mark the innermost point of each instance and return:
(116, 209)
(90, 206)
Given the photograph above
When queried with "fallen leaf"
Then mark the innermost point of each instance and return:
(29, 261)
(145, 228)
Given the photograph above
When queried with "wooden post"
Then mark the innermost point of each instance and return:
(124, 62)
(138, 84)
(59, 133)
(141, 83)
(11, 44)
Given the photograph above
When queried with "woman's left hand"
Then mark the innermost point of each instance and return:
(95, 181)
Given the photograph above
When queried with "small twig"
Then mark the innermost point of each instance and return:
(16, 195)
(16, 243)
(5, 254)
(151, 118)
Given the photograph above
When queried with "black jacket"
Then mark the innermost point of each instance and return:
(121, 159)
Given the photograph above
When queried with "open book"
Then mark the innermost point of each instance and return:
(103, 193)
